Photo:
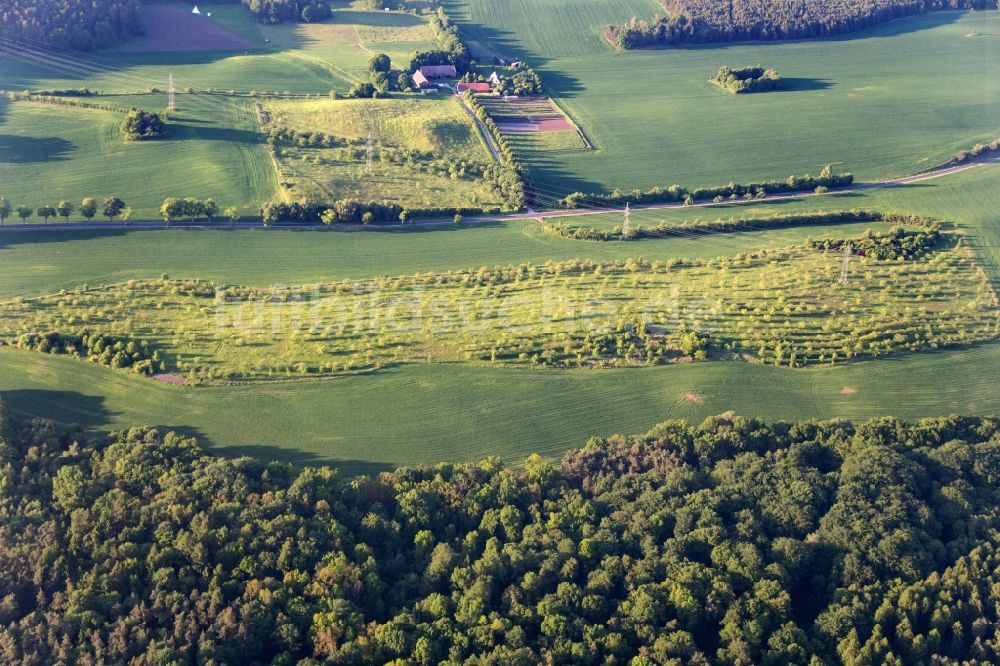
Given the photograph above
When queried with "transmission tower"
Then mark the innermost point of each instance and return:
(369, 153)
(171, 106)
(627, 223)
(848, 249)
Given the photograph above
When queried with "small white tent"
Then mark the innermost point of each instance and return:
(196, 10)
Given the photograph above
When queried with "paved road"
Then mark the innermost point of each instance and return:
(502, 217)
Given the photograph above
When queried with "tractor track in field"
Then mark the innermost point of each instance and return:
(505, 217)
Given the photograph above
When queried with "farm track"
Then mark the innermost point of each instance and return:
(487, 139)
(530, 214)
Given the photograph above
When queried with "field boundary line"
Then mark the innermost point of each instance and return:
(572, 122)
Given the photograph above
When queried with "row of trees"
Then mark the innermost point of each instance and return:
(731, 542)
(349, 211)
(826, 180)
(82, 25)
(174, 208)
(721, 225)
(112, 207)
(507, 177)
(703, 21)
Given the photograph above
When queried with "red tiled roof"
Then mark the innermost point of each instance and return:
(474, 87)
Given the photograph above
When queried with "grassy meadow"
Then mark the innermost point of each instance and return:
(49, 153)
(882, 102)
(427, 154)
(780, 307)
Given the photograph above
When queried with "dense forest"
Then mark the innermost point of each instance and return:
(703, 21)
(732, 542)
(82, 25)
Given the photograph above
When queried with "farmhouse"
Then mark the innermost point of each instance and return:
(424, 74)
(474, 87)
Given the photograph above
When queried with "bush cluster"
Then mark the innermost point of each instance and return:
(142, 125)
(103, 348)
(894, 244)
(747, 79)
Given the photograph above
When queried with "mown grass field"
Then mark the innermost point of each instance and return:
(49, 153)
(882, 102)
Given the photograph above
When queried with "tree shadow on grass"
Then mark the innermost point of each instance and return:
(11, 236)
(29, 149)
(67, 407)
(299, 459)
(802, 84)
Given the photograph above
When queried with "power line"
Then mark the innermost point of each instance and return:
(171, 106)
(369, 153)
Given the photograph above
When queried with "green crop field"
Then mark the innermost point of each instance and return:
(49, 153)
(882, 102)
(425, 414)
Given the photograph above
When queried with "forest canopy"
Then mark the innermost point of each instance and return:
(705, 21)
(734, 541)
(81, 25)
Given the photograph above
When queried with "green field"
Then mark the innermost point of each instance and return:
(468, 412)
(425, 414)
(49, 153)
(882, 102)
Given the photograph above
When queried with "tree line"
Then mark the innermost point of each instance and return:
(111, 208)
(722, 225)
(730, 542)
(826, 180)
(280, 11)
(707, 21)
(80, 25)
